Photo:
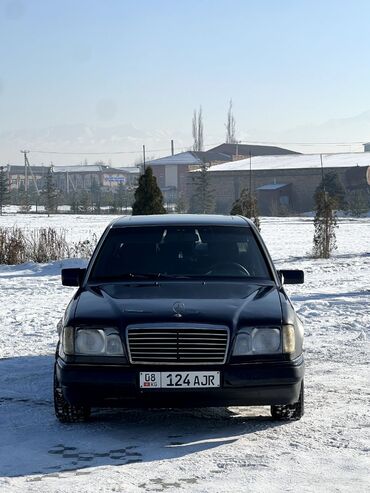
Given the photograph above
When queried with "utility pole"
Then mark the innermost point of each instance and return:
(250, 173)
(26, 164)
(144, 158)
(172, 148)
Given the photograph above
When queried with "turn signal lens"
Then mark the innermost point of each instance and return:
(288, 339)
(68, 340)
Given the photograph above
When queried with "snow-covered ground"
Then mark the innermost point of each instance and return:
(213, 450)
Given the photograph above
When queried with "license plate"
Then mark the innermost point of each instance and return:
(179, 379)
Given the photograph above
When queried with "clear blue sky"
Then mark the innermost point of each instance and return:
(150, 62)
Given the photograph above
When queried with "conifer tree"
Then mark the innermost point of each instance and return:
(246, 205)
(95, 192)
(148, 196)
(358, 203)
(334, 189)
(84, 203)
(50, 193)
(4, 189)
(23, 199)
(202, 200)
(325, 222)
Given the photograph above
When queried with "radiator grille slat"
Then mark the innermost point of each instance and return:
(177, 345)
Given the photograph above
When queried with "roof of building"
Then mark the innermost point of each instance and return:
(83, 168)
(19, 168)
(190, 158)
(129, 169)
(296, 161)
(272, 186)
(182, 219)
(253, 149)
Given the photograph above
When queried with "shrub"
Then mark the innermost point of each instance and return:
(40, 245)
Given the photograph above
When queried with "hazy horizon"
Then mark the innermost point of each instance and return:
(108, 77)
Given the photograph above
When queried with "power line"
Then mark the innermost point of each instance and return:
(252, 142)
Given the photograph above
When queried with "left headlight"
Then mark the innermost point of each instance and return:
(255, 340)
(92, 341)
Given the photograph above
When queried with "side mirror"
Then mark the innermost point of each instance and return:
(72, 277)
(291, 276)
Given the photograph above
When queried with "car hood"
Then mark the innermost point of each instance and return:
(222, 303)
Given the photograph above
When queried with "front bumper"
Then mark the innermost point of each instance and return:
(241, 385)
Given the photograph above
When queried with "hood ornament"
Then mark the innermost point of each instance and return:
(179, 309)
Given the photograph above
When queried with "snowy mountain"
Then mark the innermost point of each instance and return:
(120, 144)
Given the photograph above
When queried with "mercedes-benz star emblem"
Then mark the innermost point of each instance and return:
(179, 309)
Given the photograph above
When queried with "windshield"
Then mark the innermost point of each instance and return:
(179, 252)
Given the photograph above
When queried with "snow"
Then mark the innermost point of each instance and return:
(209, 450)
(297, 161)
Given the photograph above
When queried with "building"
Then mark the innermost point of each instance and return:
(171, 171)
(285, 182)
(75, 178)
(30, 179)
(72, 178)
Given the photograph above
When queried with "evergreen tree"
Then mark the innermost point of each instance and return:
(50, 193)
(95, 191)
(74, 203)
(246, 205)
(180, 207)
(202, 200)
(148, 196)
(84, 202)
(24, 201)
(334, 189)
(358, 203)
(4, 189)
(120, 197)
(325, 222)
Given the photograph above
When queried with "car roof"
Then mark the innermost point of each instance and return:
(181, 219)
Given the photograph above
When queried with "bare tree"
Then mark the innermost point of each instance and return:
(230, 126)
(197, 130)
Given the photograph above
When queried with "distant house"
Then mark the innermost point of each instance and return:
(171, 171)
(22, 179)
(76, 178)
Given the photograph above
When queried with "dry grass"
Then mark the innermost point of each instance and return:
(40, 245)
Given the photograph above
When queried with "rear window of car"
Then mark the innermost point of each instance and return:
(180, 251)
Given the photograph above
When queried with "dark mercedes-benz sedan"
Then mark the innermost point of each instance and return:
(179, 311)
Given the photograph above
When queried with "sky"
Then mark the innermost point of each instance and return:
(111, 75)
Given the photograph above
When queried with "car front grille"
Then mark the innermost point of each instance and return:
(177, 345)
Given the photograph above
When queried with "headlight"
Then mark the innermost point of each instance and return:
(89, 341)
(92, 341)
(251, 341)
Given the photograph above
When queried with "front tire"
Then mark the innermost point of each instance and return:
(66, 412)
(289, 412)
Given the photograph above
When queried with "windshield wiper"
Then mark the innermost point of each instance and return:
(155, 275)
(139, 276)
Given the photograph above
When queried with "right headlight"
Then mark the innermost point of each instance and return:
(264, 340)
(92, 341)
